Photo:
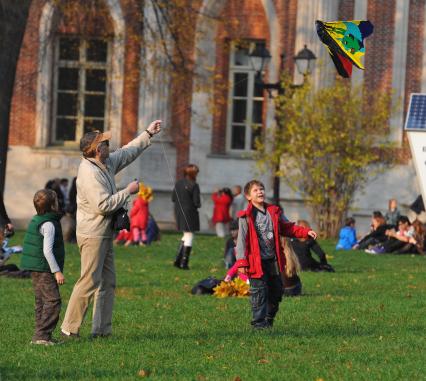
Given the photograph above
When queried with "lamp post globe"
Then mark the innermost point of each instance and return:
(305, 61)
(259, 57)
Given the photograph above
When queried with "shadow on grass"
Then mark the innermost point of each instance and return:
(9, 373)
(278, 331)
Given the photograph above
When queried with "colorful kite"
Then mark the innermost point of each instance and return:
(345, 42)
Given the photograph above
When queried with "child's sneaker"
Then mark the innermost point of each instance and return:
(45, 342)
(376, 250)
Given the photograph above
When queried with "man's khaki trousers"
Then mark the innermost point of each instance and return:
(97, 279)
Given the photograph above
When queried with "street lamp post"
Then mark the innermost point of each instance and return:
(260, 57)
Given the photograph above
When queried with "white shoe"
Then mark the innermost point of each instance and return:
(44, 342)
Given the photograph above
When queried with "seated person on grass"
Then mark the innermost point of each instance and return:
(347, 235)
(377, 234)
(396, 239)
(303, 246)
(416, 243)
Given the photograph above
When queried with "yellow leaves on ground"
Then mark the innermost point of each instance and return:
(263, 361)
(125, 293)
(237, 288)
(144, 373)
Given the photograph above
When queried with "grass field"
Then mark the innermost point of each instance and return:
(367, 321)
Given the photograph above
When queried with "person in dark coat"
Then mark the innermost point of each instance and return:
(186, 197)
(55, 185)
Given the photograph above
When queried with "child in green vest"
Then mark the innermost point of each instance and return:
(43, 254)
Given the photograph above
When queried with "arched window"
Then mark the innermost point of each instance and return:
(245, 114)
(81, 82)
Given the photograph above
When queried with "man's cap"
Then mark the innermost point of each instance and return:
(91, 139)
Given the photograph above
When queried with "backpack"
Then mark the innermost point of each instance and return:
(205, 286)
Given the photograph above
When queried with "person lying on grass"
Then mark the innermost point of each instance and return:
(259, 253)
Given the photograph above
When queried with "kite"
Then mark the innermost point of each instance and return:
(345, 42)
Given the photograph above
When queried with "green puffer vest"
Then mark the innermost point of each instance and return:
(32, 254)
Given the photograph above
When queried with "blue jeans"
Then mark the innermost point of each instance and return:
(265, 295)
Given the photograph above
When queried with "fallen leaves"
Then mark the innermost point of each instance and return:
(144, 373)
(263, 361)
(237, 288)
(125, 293)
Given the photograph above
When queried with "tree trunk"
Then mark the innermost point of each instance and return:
(329, 220)
(13, 20)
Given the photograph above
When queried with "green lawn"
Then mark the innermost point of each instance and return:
(367, 321)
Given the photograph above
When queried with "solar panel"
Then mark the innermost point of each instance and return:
(416, 117)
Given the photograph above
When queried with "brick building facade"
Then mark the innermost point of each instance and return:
(82, 68)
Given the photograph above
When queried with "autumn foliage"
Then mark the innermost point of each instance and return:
(329, 143)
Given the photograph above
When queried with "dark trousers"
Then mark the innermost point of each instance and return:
(392, 245)
(265, 294)
(47, 304)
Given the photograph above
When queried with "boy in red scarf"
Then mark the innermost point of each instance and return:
(259, 253)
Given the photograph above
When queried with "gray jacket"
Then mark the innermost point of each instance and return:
(97, 196)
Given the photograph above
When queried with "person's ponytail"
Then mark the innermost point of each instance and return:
(292, 265)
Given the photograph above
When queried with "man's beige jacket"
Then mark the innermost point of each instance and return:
(97, 196)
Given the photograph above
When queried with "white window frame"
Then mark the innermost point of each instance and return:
(251, 74)
(83, 66)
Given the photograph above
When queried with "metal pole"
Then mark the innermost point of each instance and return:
(277, 179)
(276, 196)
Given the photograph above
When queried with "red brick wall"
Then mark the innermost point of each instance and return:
(133, 17)
(76, 18)
(242, 20)
(346, 10)
(415, 52)
(414, 64)
(85, 19)
(287, 15)
(379, 46)
(23, 112)
(182, 86)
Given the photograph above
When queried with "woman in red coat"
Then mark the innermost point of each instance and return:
(222, 201)
(139, 215)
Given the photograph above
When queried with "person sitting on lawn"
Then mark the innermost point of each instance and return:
(396, 239)
(417, 241)
(303, 249)
(377, 234)
(347, 235)
(259, 252)
(44, 254)
(122, 237)
(392, 213)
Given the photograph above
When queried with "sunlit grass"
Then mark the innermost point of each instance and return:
(367, 321)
